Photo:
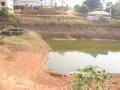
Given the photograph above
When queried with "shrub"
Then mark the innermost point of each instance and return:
(4, 12)
(77, 7)
(81, 9)
(91, 78)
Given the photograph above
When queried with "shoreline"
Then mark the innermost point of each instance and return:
(73, 39)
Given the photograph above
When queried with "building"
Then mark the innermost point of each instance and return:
(7, 3)
(99, 16)
(34, 3)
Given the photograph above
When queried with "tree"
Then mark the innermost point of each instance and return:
(81, 9)
(77, 7)
(92, 4)
(5, 12)
(116, 8)
(109, 7)
(99, 8)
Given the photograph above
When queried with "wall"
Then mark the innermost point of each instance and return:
(34, 2)
(97, 18)
(89, 17)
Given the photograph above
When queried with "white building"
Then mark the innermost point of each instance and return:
(99, 15)
(34, 3)
(7, 3)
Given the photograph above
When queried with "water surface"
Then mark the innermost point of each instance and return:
(64, 63)
(67, 56)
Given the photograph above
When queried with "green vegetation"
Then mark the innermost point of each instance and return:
(116, 9)
(88, 6)
(88, 46)
(23, 41)
(82, 9)
(91, 78)
(92, 5)
(108, 7)
(14, 40)
(4, 12)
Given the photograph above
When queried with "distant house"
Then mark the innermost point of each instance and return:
(34, 3)
(99, 16)
(7, 3)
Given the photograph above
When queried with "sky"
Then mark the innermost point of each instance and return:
(72, 3)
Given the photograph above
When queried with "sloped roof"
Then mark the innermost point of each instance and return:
(99, 13)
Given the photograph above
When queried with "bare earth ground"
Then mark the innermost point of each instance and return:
(25, 70)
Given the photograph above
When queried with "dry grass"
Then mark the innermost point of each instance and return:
(115, 23)
(75, 27)
(51, 20)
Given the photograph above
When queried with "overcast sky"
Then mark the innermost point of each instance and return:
(74, 2)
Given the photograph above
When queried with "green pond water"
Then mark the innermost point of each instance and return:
(67, 56)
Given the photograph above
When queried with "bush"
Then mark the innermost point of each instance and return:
(77, 7)
(81, 9)
(4, 12)
(91, 78)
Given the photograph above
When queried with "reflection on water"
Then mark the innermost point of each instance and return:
(64, 63)
(66, 56)
(87, 46)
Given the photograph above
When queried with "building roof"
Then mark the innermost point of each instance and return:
(99, 13)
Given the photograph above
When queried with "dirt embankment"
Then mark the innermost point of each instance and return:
(77, 32)
(23, 69)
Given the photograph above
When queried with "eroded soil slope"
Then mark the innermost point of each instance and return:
(23, 64)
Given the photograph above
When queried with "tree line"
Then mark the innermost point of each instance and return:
(98, 5)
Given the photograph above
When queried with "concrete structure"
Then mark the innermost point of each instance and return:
(7, 3)
(34, 3)
(99, 16)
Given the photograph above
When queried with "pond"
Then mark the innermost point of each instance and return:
(67, 56)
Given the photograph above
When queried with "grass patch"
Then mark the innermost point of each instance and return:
(14, 40)
(21, 41)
